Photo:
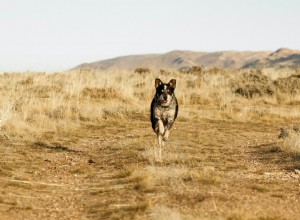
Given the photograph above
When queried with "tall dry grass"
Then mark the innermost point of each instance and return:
(291, 141)
(36, 106)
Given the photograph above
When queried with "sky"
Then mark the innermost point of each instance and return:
(56, 35)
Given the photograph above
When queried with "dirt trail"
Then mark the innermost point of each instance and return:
(211, 170)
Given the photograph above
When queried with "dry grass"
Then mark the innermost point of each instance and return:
(291, 142)
(34, 106)
(80, 145)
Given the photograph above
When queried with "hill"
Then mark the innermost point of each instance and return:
(180, 59)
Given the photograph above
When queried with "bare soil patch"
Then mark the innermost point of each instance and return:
(210, 170)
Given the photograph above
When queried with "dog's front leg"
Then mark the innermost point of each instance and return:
(166, 134)
(167, 129)
(160, 134)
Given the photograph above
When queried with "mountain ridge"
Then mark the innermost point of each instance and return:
(176, 59)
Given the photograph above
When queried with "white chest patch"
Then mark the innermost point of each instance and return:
(165, 116)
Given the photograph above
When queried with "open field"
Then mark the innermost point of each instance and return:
(80, 146)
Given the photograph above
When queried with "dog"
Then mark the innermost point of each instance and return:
(164, 110)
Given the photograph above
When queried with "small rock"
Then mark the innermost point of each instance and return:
(295, 176)
(91, 161)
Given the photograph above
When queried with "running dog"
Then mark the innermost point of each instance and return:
(164, 110)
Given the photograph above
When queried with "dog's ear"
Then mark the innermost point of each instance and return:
(172, 83)
(158, 82)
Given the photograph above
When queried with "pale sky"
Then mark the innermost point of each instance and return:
(56, 35)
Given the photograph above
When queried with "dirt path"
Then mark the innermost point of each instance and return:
(210, 170)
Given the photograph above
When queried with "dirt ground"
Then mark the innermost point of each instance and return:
(210, 170)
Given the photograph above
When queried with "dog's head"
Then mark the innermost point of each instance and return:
(165, 91)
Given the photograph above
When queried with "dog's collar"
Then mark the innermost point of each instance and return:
(165, 107)
(168, 106)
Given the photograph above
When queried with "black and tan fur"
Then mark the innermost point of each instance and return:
(164, 110)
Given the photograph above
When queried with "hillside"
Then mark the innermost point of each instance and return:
(180, 59)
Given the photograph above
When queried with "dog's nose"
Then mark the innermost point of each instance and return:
(165, 97)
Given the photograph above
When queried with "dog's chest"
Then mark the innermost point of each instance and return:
(168, 115)
(165, 114)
